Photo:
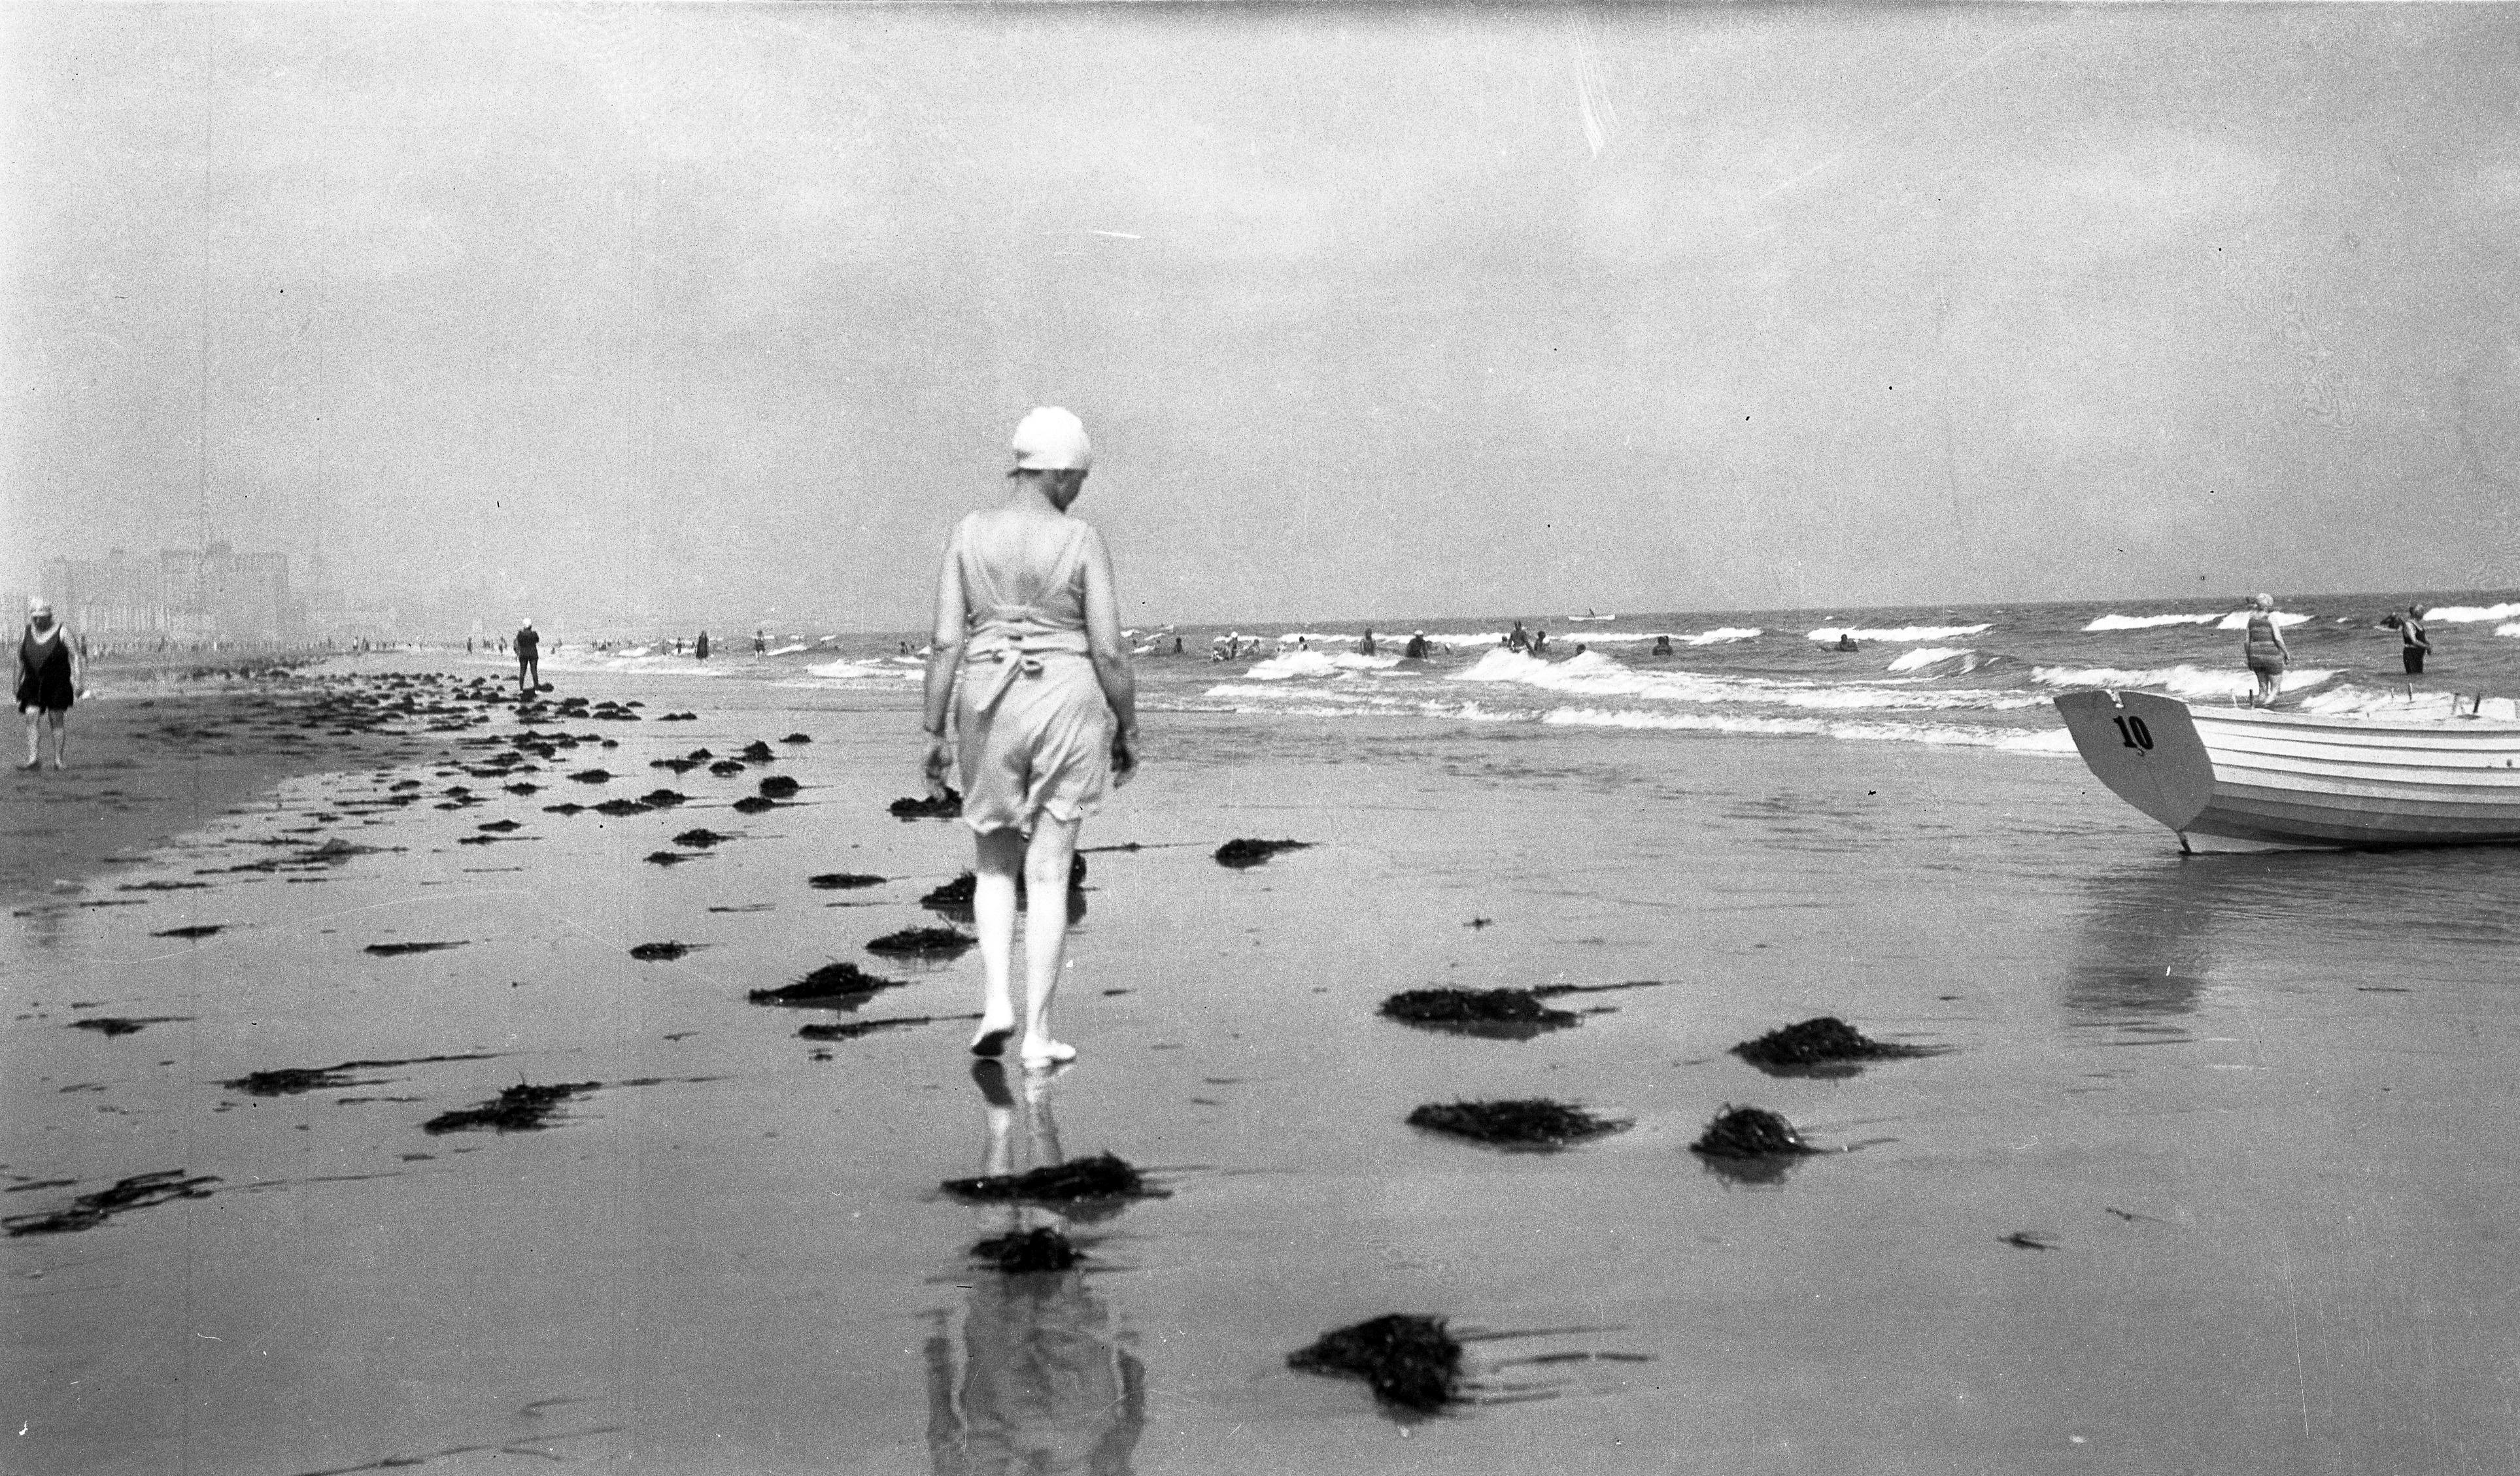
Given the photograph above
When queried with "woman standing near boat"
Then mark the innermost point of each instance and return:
(2267, 651)
(1027, 660)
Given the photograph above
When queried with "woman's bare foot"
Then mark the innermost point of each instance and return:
(1040, 1053)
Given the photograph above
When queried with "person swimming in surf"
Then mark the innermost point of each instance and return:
(1415, 651)
(1028, 667)
(2265, 648)
(1518, 639)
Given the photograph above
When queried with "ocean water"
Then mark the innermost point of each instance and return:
(1971, 675)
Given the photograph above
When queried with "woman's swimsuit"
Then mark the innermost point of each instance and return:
(2263, 652)
(44, 672)
(1035, 731)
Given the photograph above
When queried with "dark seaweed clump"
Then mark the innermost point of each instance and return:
(757, 751)
(1504, 1014)
(659, 952)
(397, 950)
(668, 858)
(111, 1025)
(945, 806)
(922, 940)
(797, 737)
(1104, 1175)
(1032, 1250)
(660, 798)
(826, 986)
(953, 895)
(197, 931)
(1819, 1044)
(521, 1108)
(1750, 1133)
(833, 882)
(1249, 851)
(1409, 1361)
(88, 1210)
(1524, 1123)
(701, 838)
(619, 807)
(778, 786)
(754, 804)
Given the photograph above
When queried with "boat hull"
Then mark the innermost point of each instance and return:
(2243, 778)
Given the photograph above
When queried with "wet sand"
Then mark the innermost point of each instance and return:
(2209, 1180)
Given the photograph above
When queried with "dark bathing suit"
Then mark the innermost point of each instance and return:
(529, 666)
(44, 672)
(2411, 632)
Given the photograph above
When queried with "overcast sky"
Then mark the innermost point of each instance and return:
(695, 314)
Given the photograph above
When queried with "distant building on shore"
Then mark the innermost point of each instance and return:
(182, 596)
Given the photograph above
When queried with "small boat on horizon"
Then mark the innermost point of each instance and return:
(1588, 618)
(2256, 779)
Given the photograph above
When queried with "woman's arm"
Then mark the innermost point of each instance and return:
(2275, 627)
(944, 654)
(1109, 653)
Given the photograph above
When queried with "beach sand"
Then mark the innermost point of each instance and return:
(2249, 1107)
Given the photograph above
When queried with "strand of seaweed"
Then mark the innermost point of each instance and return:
(511, 1447)
(288, 1081)
(849, 1030)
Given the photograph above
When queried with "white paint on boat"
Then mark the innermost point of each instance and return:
(2235, 779)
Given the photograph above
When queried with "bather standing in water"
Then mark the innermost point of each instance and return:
(1028, 661)
(2266, 651)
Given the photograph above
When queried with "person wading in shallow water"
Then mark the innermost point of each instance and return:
(2413, 643)
(2265, 650)
(49, 677)
(530, 657)
(1026, 660)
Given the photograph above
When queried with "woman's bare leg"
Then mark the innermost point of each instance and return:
(35, 739)
(993, 909)
(61, 740)
(1046, 863)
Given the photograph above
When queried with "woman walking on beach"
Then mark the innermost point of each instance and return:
(1027, 660)
(2267, 651)
(49, 672)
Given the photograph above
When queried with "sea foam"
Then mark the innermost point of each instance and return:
(2471, 614)
(2148, 622)
(2177, 681)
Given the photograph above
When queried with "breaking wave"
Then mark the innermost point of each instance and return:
(2148, 622)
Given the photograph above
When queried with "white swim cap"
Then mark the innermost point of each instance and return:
(37, 605)
(1052, 439)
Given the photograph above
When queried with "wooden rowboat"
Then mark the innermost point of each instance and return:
(2245, 780)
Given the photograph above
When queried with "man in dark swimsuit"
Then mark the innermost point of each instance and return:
(530, 662)
(2413, 643)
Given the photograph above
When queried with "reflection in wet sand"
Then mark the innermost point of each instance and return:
(1042, 1383)
(2153, 941)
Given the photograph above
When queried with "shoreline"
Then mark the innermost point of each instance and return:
(150, 766)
